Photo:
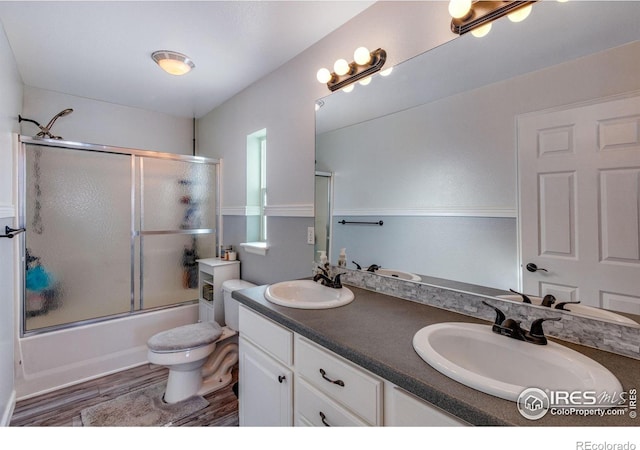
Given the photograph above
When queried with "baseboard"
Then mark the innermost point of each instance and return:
(8, 410)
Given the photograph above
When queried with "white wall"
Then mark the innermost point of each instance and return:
(283, 103)
(98, 122)
(10, 101)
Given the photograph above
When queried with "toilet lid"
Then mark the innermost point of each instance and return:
(185, 337)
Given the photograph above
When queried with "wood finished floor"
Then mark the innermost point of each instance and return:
(62, 408)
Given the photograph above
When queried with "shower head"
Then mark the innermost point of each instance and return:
(60, 114)
(46, 130)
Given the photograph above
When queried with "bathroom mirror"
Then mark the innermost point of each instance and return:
(431, 149)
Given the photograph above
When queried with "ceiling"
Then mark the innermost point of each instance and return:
(102, 49)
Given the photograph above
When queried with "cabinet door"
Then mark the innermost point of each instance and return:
(402, 409)
(265, 389)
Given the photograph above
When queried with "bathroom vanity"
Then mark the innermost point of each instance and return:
(329, 389)
(355, 365)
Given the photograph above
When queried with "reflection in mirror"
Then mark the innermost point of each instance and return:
(322, 226)
(432, 149)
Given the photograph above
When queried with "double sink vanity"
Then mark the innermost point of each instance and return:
(352, 356)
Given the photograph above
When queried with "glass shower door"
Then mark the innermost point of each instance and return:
(78, 238)
(177, 226)
(112, 231)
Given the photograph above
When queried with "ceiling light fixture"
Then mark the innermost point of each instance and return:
(477, 16)
(365, 64)
(173, 62)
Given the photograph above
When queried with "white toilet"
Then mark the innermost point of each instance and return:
(199, 356)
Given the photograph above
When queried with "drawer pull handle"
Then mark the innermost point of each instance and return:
(323, 418)
(324, 375)
(281, 378)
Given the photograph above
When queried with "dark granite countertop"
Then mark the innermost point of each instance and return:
(375, 331)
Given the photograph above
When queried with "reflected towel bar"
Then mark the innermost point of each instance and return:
(380, 222)
(11, 232)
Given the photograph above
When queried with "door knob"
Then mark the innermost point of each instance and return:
(531, 267)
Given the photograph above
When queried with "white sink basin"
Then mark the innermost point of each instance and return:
(583, 310)
(504, 367)
(398, 274)
(307, 294)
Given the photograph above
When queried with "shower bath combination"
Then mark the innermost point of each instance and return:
(45, 132)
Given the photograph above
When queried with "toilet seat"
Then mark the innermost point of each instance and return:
(186, 337)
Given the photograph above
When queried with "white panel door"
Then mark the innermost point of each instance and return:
(579, 182)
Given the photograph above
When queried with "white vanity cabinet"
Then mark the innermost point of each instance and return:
(212, 272)
(286, 379)
(265, 387)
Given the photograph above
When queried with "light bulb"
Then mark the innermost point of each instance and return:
(348, 89)
(365, 81)
(174, 67)
(459, 8)
(362, 56)
(520, 14)
(323, 75)
(386, 72)
(341, 67)
(482, 31)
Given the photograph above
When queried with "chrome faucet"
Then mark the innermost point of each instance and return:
(511, 328)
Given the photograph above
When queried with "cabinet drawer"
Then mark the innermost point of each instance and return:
(313, 408)
(339, 379)
(266, 334)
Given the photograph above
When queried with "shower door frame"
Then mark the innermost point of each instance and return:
(23, 141)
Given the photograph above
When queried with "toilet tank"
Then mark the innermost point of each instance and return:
(231, 305)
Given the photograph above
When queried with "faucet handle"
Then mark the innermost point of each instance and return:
(525, 298)
(561, 306)
(500, 317)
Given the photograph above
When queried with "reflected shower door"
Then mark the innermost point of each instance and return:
(78, 239)
(323, 213)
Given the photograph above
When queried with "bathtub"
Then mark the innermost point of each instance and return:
(49, 361)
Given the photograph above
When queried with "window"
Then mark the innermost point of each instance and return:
(263, 188)
(256, 232)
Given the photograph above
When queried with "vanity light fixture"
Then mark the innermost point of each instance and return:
(477, 16)
(173, 62)
(365, 64)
